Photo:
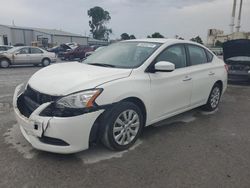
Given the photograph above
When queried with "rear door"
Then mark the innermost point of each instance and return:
(171, 91)
(203, 73)
(22, 56)
(36, 55)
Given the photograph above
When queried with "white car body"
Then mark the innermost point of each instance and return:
(163, 95)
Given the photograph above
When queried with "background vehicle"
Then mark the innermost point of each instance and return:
(59, 50)
(237, 57)
(77, 53)
(4, 48)
(116, 92)
(26, 55)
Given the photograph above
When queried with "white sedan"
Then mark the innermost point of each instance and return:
(116, 92)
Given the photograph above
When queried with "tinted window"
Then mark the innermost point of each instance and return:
(209, 56)
(24, 51)
(36, 51)
(197, 55)
(175, 54)
(2, 48)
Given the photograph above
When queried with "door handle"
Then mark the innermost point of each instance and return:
(187, 78)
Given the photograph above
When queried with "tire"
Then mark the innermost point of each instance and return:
(46, 62)
(126, 133)
(214, 98)
(4, 63)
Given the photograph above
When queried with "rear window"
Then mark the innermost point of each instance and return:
(197, 55)
(210, 56)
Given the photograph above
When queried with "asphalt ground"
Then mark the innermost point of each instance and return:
(194, 149)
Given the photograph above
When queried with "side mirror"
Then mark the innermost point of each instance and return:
(164, 66)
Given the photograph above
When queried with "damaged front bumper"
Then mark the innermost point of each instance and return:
(55, 134)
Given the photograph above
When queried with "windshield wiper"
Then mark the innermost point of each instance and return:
(102, 64)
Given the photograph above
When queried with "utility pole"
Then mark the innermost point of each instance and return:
(239, 17)
(233, 17)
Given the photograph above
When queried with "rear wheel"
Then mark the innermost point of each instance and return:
(46, 62)
(4, 63)
(122, 126)
(214, 98)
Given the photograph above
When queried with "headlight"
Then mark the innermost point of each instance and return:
(83, 99)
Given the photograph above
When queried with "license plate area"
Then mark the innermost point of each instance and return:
(31, 127)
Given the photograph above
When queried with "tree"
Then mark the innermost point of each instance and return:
(197, 39)
(218, 43)
(99, 19)
(132, 37)
(178, 37)
(155, 35)
(125, 36)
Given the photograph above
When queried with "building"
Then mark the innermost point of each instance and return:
(215, 35)
(15, 35)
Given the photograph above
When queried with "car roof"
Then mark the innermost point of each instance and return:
(164, 41)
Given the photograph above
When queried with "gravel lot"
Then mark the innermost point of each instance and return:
(195, 149)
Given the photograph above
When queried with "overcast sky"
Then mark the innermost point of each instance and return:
(186, 18)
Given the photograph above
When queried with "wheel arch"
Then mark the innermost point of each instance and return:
(97, 128)
(6, 59)
(46, 58)
(220, 83)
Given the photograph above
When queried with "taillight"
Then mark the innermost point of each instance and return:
(226, 67)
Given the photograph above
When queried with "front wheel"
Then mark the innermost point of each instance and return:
(214, 98)
(4, 63)
(122, 126)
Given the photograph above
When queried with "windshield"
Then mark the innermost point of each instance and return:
(123, 54)
(13, 49)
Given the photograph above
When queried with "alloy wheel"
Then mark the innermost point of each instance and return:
(215, 97)
(126, 127)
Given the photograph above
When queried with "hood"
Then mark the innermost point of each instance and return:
(66, 78)
(236, 48)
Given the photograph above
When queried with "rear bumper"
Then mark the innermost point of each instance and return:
(71, 134)
(238, 76)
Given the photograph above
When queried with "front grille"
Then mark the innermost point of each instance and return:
(38, 97)
(31, 99)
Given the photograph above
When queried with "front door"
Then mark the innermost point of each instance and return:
(22, 56)
(171, 91)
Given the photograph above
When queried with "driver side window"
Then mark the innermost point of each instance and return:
(174, 54)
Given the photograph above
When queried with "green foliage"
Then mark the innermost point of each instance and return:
(155, 35)
(99, 19)
(132, 37)
(197, 39)
(126, 36)
(218, 43)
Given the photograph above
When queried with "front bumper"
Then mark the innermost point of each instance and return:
(73, 132)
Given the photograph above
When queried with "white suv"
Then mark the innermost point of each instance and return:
(116, 92)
